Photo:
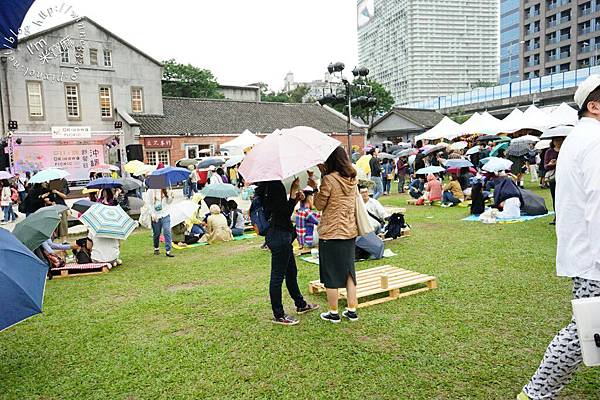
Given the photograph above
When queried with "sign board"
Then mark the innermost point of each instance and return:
(75, 159)
(157, 143)
(71, 132)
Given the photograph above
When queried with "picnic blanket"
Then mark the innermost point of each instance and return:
(315, 260)
(190, 246)
(522, 218)
(82, 267)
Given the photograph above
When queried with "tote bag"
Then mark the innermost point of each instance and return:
(362, 218)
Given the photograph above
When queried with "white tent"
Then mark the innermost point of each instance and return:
(513, 121)
(534, 118)
(489, 125)
(246, 139)
(445, 129)
(563, 115)
(472, 125)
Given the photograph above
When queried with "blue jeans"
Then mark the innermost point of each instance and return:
(163, 224)
(237, 232)
(9, 214)
(449, 198)
(283, 266)
(378, 190)
(387, 185)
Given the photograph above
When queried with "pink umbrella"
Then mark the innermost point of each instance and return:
(285, 153)
(456, 171)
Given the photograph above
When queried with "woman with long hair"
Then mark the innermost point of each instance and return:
(336, 199)
(160, 200)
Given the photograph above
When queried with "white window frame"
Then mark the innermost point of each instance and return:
(194, 147)
(65, 57)
(74, 97)
(31, 95)
(135, 100)
(94, 60)
(105, 113)
(107, 55)
(155, 156)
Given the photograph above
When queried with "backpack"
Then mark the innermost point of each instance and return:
(258, 217)
(395, 226)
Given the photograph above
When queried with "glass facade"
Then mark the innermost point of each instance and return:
(510, 19)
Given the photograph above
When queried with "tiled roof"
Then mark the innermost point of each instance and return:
(423, 118)
(184, 116)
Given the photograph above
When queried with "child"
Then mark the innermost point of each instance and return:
(434, 188)
(306, 219)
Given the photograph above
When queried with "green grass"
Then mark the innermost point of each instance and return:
(197, 326)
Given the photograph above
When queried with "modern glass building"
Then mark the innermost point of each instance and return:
(510, 40)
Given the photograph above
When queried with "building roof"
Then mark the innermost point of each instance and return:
(97, 25)
(187, 116)
(424, 118)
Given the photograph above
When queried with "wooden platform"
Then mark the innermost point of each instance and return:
(71, 270)
(381, 280)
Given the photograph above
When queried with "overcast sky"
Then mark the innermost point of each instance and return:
(240, 41)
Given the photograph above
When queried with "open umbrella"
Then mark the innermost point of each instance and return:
(497, 148)
(557, 131)
(12, 14)
(82, 205)
(287, 152)
(130, 184)
(5, 175)
(37, 227)
(48, 175)
(167, 177)
(458, 163)
(472, 151)
(430, 170)
(386, 142)
(433, 149)
(543, 144)
(458, 145)
(104, 168)
(488, 138)
(527, 139)
(234, 160)
(133, 165)
(407, 152)
(495, 164)
(385, 156)
(213, 161)
(186, 162)
(22, 281)
(108, 222)
(104, 183)
(518, 149)
(182, 211)
(59, 208)
(220, 190)
(456, 171)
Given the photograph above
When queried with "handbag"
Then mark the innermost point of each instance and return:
(362, 218)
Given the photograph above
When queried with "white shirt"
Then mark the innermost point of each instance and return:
(155, 198)
(374, 207)
(578, 202)
(215, 178)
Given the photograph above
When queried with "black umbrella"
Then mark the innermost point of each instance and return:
(82, 205)
(217, 162)
(130, 184)
(518, 149)
(489, 138)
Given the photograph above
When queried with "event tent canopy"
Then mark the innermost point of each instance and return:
(246, 139)
(445, 129)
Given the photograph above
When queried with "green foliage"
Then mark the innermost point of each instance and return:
(385, 101)
(483, 84)
(294, 96)
(180, 80)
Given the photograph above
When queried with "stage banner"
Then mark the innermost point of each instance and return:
(75, 159)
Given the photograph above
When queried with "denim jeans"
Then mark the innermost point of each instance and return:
(283, 266)
(449, 198)
(163, 224)
(378, 189)
(387, 185)
(237, 232)
(8, 213)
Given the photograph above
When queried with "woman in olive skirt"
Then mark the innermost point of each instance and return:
(336, 198)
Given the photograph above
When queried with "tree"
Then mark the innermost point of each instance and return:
(293, 96)
(385, 101)
(181, 80)
(297, 95)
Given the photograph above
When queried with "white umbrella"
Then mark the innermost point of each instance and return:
(526, 138)
(543, 144)
(48, 175)
(458, 145)
(496, 164)
(557, 131)
(182, 211)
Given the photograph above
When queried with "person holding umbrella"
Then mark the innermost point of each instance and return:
(160, 200)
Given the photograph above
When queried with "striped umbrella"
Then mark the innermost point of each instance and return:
(108, 222)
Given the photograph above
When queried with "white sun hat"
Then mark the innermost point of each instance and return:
(585, 88)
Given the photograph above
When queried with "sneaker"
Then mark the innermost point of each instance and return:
(331, 317)
(156, 252)
(308, 307)
(285, 320)
(351, 315)
(170, 255)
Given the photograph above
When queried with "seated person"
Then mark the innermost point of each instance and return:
(416, 188)
(236, 219)
(106, 250)
(434, 188)
(194, 229)
(217, 229)
(83, 252)
(376, 212)
(507, 197)
(464, 179)
(49, 251)
(306, 220)
(453, 193)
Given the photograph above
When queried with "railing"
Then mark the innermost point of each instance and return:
(533, 63)
(557, 4)
(532, 47)
(561, 80)
(532, 31)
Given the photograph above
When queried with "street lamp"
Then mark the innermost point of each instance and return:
(332, 98)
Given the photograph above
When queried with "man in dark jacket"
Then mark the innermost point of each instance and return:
(376, 171)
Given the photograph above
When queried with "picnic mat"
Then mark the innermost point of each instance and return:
(189, 246)
(315, 260)
(523, 218)
(82, 267)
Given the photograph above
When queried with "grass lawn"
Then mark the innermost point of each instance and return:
(197, 326)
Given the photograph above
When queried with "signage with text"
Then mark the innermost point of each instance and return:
(157, 143)
(71, 132)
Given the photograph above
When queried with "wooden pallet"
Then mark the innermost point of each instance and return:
(385, 279)
(69, 273)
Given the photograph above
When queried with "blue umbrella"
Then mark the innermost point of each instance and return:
(22, 281)
(167, 177)
(104, 183)
(12, 14)
(211, 162)
(458, 163)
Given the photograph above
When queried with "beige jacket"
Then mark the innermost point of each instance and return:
(217, 229)
(336, 199)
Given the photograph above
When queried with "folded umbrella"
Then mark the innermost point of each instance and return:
(216, 162)
(458, 163)
(182, 211)
(108, 222)
(166, 177)
(37, 227)
(104, 183)
(495, 164)
(285, 153)
(130, 184)
(220, 190)
(430, 170)
(48, 175)
(82, 205)
(22, 281)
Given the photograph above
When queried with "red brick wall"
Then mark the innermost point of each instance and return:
(177, 150)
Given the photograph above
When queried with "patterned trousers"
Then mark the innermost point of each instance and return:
(563, 355)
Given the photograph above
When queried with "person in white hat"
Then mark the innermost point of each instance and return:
(577, 231)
